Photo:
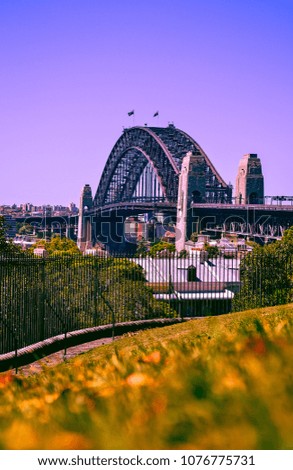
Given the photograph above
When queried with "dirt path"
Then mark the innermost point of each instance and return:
(58, 357)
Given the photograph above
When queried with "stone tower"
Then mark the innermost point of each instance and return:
(192, 188)
(84, 236)
(249, 188)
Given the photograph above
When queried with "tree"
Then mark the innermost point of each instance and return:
(266, 275)
(194, 237)
(59, 246)
(212, 251)
(162, 247)
(6, 246)
(122, 284)
(142, 247)
(287, 241)
(183, 254)
(26, 229)
(3, 242)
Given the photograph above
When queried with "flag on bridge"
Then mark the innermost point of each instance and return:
(156, 114)
(131, 113)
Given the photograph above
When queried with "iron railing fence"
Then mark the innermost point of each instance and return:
(44, 297)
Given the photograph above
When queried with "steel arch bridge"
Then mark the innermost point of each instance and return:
(141, 177)
(144, 165)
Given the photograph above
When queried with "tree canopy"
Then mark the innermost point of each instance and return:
(266, 275)
(6, 246)
(3, 242)
(162, 246)
(59, 246)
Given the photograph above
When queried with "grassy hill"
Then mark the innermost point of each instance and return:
(213, 383)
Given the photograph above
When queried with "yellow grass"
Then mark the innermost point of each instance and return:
(214, 383)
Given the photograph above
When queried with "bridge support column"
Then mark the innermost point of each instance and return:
(84, 237)
(249, 187)
(192, 184)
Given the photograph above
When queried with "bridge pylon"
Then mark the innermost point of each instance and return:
(84, 236)
(192, 189)
(249, 187)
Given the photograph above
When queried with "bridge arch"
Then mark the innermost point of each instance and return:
(161, 150)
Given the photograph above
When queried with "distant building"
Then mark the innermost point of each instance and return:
(135, 229)
(169, 236)
(195, 284)
(73, 209)
(41, 251)
(24, 241)
(26, 207)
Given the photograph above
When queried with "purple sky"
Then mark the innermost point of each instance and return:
(70, 70)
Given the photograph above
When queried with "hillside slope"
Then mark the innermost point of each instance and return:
(213, 383)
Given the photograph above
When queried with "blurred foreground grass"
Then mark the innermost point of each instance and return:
(214, 383)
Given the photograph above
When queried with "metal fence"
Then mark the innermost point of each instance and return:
(44, 297)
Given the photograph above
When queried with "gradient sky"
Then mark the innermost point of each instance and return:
(70, 70)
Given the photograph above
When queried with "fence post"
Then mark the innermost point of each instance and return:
(13, 333)
(96, 291)
(113, 324)
(43, 300)
(16, 350)
(169, 277)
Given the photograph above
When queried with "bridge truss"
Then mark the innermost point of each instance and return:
(141, 176)
(144, 166)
